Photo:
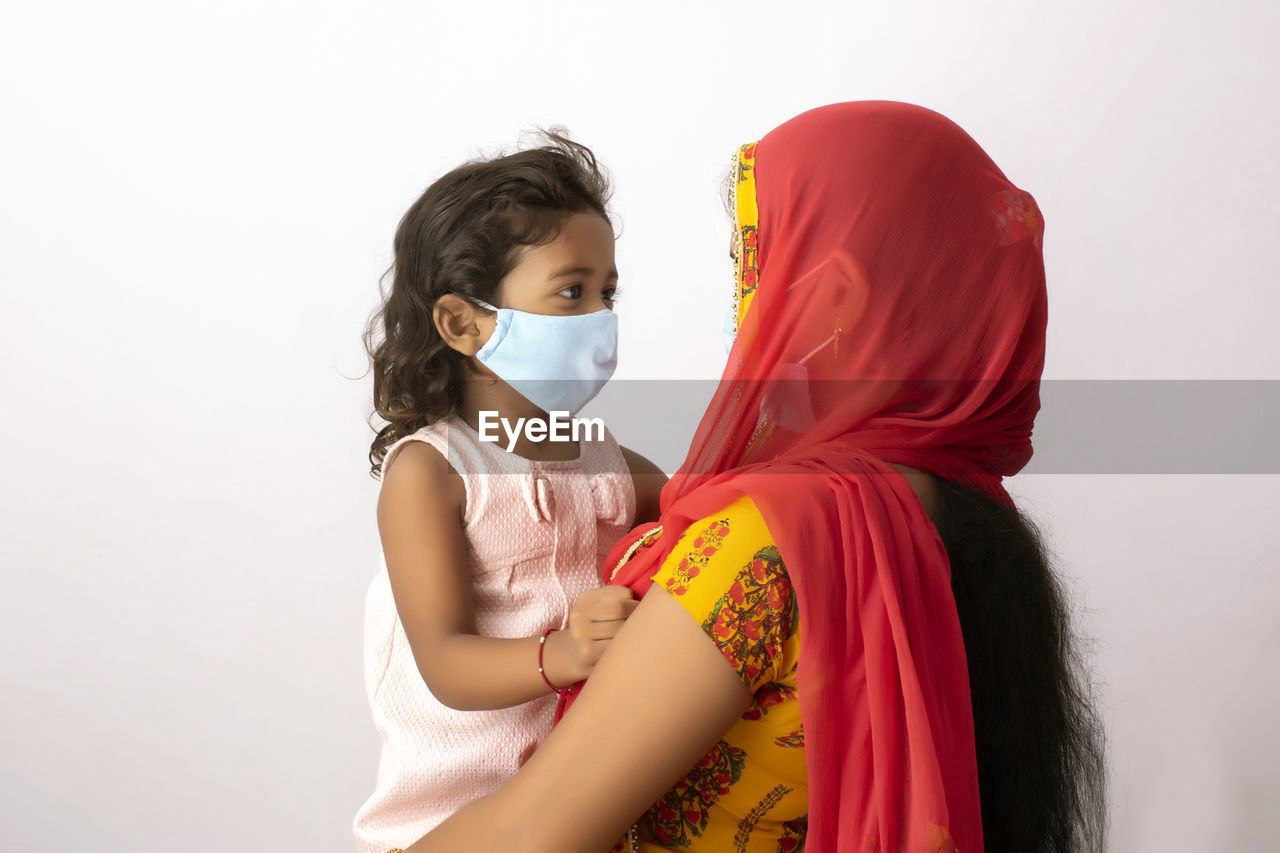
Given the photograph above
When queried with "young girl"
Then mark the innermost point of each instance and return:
(500, 310)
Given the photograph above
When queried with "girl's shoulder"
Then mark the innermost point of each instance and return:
(423, 465)
(647, 481)
(434, 435)
(721, 543)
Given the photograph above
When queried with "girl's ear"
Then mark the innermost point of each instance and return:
(462, 325)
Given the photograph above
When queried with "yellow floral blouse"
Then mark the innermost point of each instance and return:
(750, 793)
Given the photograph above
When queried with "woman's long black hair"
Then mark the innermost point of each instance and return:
(1041, 766)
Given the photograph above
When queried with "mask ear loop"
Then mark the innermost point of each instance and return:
(478, 301)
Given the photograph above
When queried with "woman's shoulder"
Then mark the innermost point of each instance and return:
(717, 546)
(742, 511)
(739, 517)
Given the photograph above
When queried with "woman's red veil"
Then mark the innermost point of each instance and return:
(896, 315)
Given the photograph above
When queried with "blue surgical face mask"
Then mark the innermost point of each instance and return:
(730, 333)
(558, 363)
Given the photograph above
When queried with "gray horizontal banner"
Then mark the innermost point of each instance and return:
(1084, 426)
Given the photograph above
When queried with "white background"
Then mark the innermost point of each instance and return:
(197, 199)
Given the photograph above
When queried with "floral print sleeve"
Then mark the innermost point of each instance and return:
(749, 794)
(728, 574)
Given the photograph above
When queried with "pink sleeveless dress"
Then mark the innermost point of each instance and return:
(537, 533)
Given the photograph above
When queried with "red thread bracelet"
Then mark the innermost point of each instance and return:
(542, 644)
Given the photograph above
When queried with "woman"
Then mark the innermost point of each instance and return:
(877, 657)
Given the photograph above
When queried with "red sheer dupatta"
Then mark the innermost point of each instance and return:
(899, 318)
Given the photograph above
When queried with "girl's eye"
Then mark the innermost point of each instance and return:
(611, 294)
(573, 291)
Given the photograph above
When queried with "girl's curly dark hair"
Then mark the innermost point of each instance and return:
(462, 236)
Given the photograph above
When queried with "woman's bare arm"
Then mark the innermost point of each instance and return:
(659, 699)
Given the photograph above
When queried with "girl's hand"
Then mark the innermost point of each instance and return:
(594, 619)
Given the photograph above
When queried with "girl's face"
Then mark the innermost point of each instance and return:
(573, 274)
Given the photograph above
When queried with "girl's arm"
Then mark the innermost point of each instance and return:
(420, 521)
(648, 480)
(655, 705)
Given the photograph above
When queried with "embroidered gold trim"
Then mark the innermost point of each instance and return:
(644, 540)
